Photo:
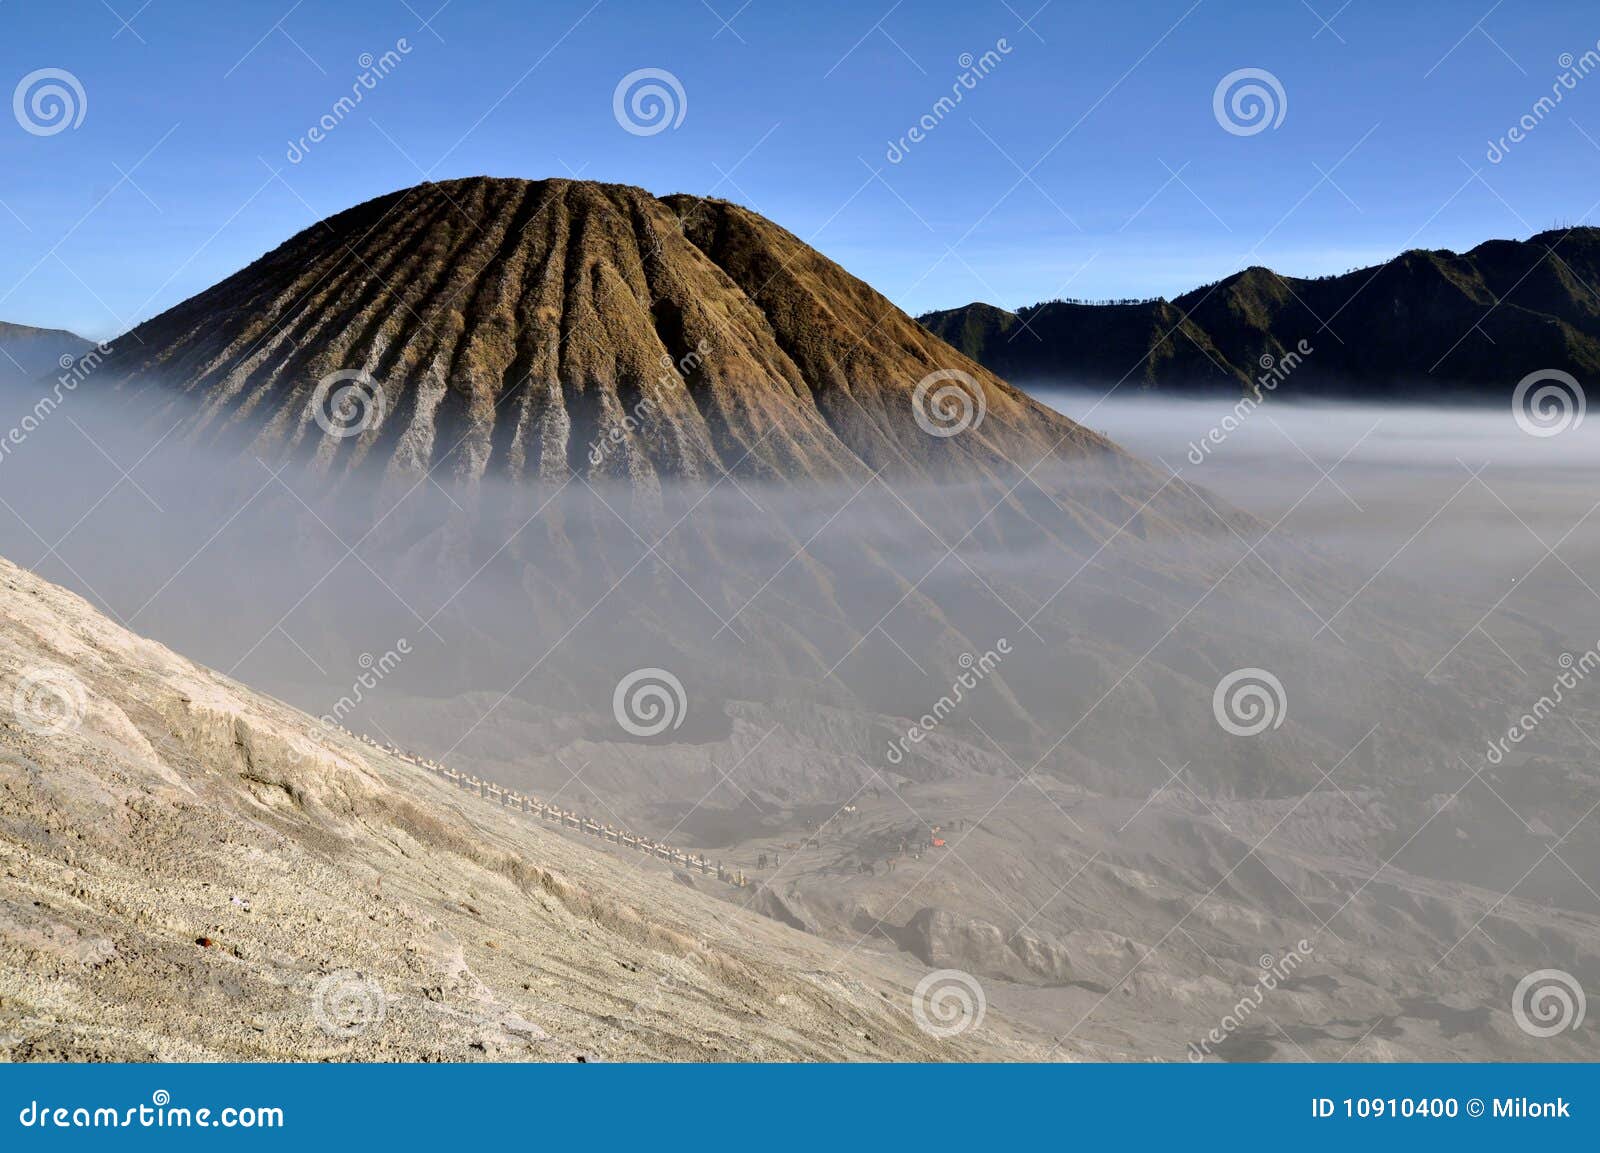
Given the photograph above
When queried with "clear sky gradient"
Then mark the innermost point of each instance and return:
(1088, 162)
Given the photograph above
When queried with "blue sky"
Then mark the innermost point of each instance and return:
(1087, 162)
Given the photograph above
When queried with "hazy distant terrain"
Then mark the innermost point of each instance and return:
(1116, 862)
(26, 354)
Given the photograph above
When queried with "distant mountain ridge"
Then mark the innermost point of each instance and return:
(1426, 323)
(28, 353)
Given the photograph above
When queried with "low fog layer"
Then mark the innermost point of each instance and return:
(1486, 489)
(1035, 667)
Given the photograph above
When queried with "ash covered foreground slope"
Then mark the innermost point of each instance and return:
(196, 872)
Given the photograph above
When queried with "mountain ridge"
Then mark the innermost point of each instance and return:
(1427, 323)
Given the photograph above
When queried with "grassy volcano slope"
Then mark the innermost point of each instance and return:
(510, 323)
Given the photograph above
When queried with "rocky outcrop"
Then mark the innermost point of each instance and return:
(944, 940)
